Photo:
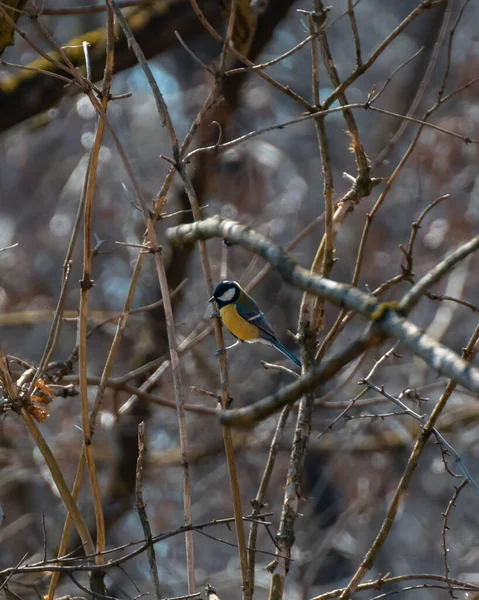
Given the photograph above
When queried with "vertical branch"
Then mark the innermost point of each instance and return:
(179, 396)
(445, 528)
(96, 406)
(56, 321)
(228, 37)
(379, 202)
(354, 28)
(361, 158)
(165, 293)
(107, 80)
(452, 33)
(141, 507)
(158, 96)
(324, 259)
(344, 316)
(285, 536)
(258, 502)
(308, 325)
(422, 87)
(321, 259)
(86, 284)
(239, 35)
(6, 380)
(225, 397)
(62, 548)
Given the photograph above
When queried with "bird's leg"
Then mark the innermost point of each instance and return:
(224, 350)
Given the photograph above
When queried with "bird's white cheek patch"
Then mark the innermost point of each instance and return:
(228, 295)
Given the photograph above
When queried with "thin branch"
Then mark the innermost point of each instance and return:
(141, 508)
(442, 89)
(435, 274)
(8, 247)
(70, 563)
(445, 528)
(354, 29)
(378, 94)
(258, 502)
(388, 580)
(330, 111)
(216, 36)
(59, 480)
(161, 272)
(422, 87)
(269, 63)
(160, 102)
(91, 9)
(85, 286)
(225, 395)
(312, 309)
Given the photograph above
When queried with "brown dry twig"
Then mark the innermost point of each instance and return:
(141, 508)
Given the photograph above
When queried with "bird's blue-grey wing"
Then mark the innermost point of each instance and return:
(256, 317)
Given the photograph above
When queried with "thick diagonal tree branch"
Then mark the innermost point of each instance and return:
(389, 322)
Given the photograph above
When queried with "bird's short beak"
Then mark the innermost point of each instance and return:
(211, 299)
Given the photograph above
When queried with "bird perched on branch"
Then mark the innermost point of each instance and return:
(243, 319)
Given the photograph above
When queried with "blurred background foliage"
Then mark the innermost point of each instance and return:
(272, 182)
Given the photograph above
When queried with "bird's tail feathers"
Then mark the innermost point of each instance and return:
(286, 352)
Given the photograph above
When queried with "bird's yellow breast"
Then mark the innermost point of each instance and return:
(238, 326)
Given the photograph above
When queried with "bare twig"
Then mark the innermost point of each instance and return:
(91, 9)
(354, 29)
(225, 396)
(329, 111)
(9, 247)
(258, 501)
(445, 527)
(269, 63)
(442, 89)
(312, 309)
(85, 286)
(378, 94)
(59, 480)
(141, 507)
(422, 87)
(415, 293)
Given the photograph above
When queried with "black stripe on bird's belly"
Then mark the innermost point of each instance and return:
(238, 326)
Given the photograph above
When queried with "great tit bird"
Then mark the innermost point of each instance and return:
(242, 317)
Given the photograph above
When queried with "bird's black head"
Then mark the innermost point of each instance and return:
(226, 292)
